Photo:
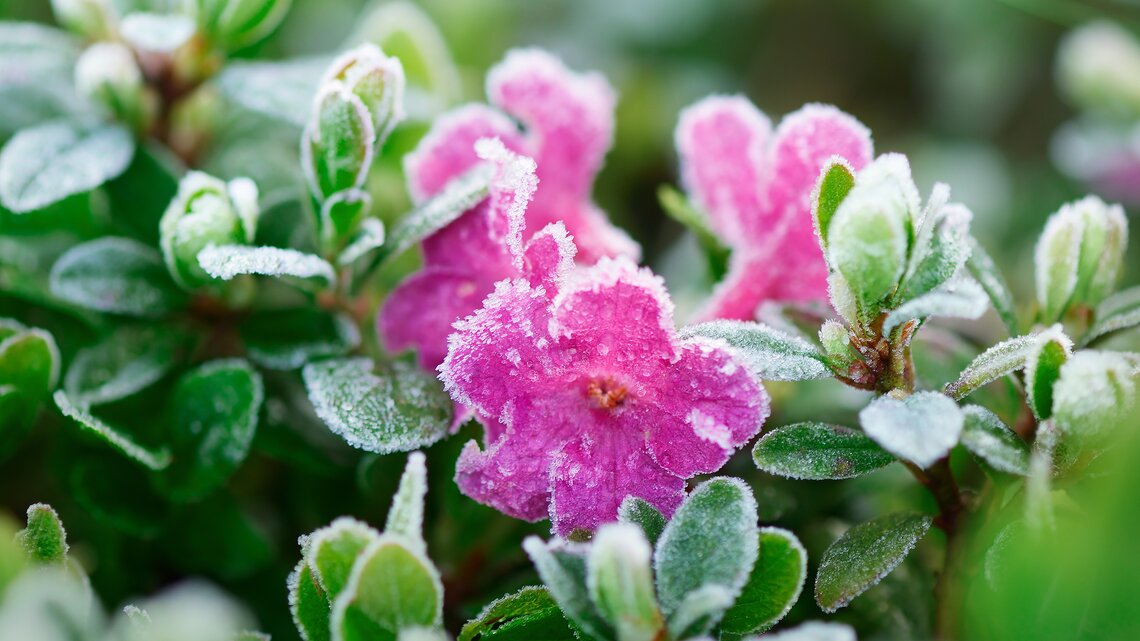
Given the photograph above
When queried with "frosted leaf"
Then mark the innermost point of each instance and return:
(836, 180)
(226, 261)
(988, 438)
(774, 586)
(214, 410)
(712, 539)
(700, 610)
(190, 611)
(920, 428)
(287, 339)
(842, 298)
(160, 33)
(44, 539)
(815, 631)
(562, 567)
(641, 513)
(116, 275)
(31, 52)
(308, 603)
(1043, 367)
(1117, 312)
(525, 614)
(157, 460)
(1096, 392)
(818, 451)
(1056, 259)
(946, 249)
(401, 408)
(47, 163)
(29, 361)
(983, 269)
(620, 581)
(392, 587)
(1000, 360)
(406, 516)
(47, 605)
(422, 634)
(281, 90)
(960, 298)
(863, 555)
(767, 353)
(332, 551)
(128, 361)
(369, 237)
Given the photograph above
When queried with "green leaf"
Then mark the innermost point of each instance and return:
(920, 428)
(458, 196)
(392, 588)
(308, 604)
(47, 163)
(863, 555)
(1056, 260)
(835, 181)
(773, 587)
(682, 210)
(153, 459)
(942, 246)
(288, 339)
(960, 298)
(44, 539)
(562, 567)
(332, 552)
(29, 370)
(124, 363)
(116, 275)
(368, 238)
(699, 611)
(712, 539)
(1117, 312)
(768, 353)
(224, 262)
(1000, 360)
(641, 513)
(620, 581)
(399, 409)
(1042, 370)
(993, 441)
(527, 615)
(981, 266)
(281, 90)
(406, 516)
(213, 416)
(817, 451)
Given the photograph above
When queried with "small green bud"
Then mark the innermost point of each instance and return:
(870, 233)
(620, 582)
(206, 211)
(108, 75)
(1079, 256)
(236, 23)
(44, 540)
(93, 19)
(1095, 393)
(338, 144)
(1098, 67)
(378, 80)
(837, 344)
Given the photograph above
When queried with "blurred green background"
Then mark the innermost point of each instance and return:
(966, 88)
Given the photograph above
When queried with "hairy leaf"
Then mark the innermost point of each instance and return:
(920, 428)
(864, 555)
(641, 513)
(562, 568)
(620, 581)
(1004, 358)
(529, 614)
(773, 587)
(768, 353)
(406, 516)
(961, 298)
(818, 451)
(984, 434)
(392, 588)
(981, 266)
(1119, 311)
(226, 261)
(125, 362)
(44, 539)
(157, 459)
(116, 275)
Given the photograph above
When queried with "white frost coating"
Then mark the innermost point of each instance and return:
(126, 362)
(1095, 387)
(801, 553)
(766, 352)
(243, 195)
(406, 515)
(108, 66)
(705, 605)
(137, 615)
(514, 174)
(608, 272)
(370, 236)
(190, 611)
(311, 137)
(959, 298)
(281, 90)
(154, 459)
(1054, 334)
(459, 195)
(1057, 258)
(44, 164)
(988, 437)
(1119, 311)
(160, 33)
(842, 298)
(815, 631)
(920, 428)
(833, 161)
(364, 60)
(227, 261)
(1004, 358)
(342, 526)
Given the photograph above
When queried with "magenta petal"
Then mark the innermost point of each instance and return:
(475, 243)
(721, 142)
(594, 234)
(616, 318)
(549, 256)
(591, 476)
(448, 149)
(511, 476)
(418, 314)
(709, 406)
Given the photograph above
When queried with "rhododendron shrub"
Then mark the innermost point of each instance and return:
(341, 347)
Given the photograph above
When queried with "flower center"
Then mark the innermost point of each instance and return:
(606, 393)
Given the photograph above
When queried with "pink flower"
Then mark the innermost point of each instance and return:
(567, 123)
(755, 187)
(587, 394)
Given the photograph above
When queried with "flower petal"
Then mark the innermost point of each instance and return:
(709, 406)
(548, 257)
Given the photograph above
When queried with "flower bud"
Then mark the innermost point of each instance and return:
(92, 19)
(338, 143)
(869, 236)
(206, 211)
(236, 23)
(1095, 393)
(378, 80)
(1079, 256)
(108, 75)
(1098, 67)
(837, 344)
(620, 581)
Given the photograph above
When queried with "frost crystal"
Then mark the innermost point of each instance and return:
(588, 395)
(920, 428)
(227, 261)
(756, 186)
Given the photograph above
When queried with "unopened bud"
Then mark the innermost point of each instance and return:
(1096, 393)
(236, 23)
(338, 144)
(378, 80)
(206, 211)
(620, 581)
(1079, 256)
(108, 74)
(93, 19)
(1098, 67)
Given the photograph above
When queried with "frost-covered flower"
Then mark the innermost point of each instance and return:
(755, 186)
(568, 127)
(587, 394)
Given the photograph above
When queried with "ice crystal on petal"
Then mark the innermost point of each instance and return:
(588, 395)
(756, 188)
